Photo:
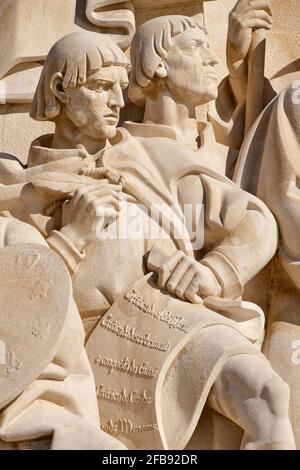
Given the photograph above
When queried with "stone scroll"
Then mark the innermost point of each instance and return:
(134, 347)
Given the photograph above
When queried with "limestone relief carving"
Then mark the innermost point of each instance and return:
(152, 266)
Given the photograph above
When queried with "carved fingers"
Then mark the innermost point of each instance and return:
(187, 279)
(261, 5)
(91, 209)
(246, 16)
(250, 14)
(168, 267)
(91, 198)
(250, 8)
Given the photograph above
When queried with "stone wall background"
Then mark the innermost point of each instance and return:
(23, 22)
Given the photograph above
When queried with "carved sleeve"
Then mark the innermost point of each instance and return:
(245, 234)
(66, 250)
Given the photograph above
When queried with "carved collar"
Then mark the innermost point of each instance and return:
(40, 151)
(206, 132)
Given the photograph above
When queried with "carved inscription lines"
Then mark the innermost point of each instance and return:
(126, 426)
(134, 397)
(138, 398)
(126, 332)
(128, 366)
(164, 316)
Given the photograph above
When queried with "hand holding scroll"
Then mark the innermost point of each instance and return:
(183, 276)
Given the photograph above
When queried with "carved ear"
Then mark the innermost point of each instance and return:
(161, 70)
(57, 88)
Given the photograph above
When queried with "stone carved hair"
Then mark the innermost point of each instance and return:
(150, 46)
(75, 56)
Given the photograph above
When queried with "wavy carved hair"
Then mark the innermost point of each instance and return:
(150, 46)
(75, 56)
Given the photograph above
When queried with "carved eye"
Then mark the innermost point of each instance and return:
(102, 87)
(192, 47)
(99, 87)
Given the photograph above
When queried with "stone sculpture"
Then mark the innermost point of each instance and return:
(181, 178)
(155, 245)
(220, 273)
(44, 370)
(269, 155)
(67, 373)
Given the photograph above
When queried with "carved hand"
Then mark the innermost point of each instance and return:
(186, 278)
(246, 16)
(90, 210)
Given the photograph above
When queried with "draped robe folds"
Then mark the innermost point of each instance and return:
(233, 259)
(268, 167)
(240, 236)
(58, 410)
(173, 181)
(158, 170)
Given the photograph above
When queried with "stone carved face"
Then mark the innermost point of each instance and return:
(94, 107)
(191, 76)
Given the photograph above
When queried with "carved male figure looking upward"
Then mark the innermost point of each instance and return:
(173, 72)
(158, 166)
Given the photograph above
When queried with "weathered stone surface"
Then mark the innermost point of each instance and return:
(173, 206)
(34, 294)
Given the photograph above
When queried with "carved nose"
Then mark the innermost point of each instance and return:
(212, 60)
(114, 108)
(116, 99)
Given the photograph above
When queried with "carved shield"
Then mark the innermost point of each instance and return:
(34, 296)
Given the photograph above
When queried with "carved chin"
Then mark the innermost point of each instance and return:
(99, 131)
(211, 93)
(110, 132)
(214, 93)
(106, 131)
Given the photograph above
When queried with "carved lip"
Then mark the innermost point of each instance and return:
(211, 76)
(112, 117)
